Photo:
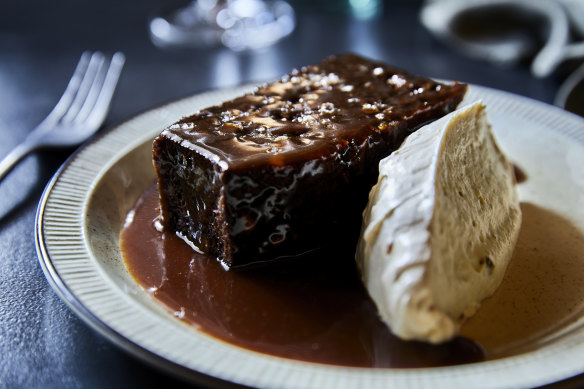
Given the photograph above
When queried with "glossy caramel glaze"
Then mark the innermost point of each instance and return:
(313, 112)
(286, 170)
(315, 311)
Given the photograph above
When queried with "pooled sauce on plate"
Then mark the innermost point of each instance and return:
(313, 309)
(317, 310)
(543, 288)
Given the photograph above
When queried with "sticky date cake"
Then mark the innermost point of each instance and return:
(286, 170)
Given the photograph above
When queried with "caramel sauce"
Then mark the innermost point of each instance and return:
(317, 310)
(311, 309)
(316, 111)
(543, 288)
(520, 175)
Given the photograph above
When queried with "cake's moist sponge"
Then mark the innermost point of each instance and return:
(286, 170)
(440, 227)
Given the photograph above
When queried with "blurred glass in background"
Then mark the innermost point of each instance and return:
(236, 24)
(241, 24)
(546, 35)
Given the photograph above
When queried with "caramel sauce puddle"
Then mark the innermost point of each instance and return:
(317, 310)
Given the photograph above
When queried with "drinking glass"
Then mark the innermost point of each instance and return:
(236, 24)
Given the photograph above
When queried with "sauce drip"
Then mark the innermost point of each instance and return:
(520, 175)
(316, 309)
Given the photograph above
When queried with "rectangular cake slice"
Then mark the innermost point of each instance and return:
(286, 170)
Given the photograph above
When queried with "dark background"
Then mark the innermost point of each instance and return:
(42, 343)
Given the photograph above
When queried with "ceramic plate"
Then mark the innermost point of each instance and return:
(84, 206)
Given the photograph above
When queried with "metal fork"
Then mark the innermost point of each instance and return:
(79, 113)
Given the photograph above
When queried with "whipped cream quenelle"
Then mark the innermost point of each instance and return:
(440, 227)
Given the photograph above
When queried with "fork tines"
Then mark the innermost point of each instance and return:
(90, 89)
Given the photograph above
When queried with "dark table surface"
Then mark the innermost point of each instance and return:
(43, 344)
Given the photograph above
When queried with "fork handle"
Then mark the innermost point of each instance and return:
(13, 157)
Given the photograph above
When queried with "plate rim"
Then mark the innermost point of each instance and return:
(59, 284)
